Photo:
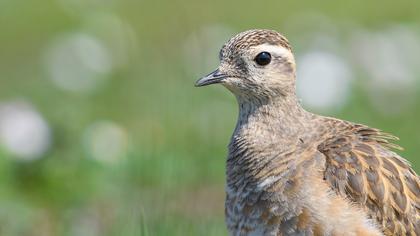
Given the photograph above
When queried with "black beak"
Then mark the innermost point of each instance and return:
(214, 77)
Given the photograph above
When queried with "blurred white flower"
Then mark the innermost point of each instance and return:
(78, 62)
(390, 60)
(116, 34)
(323, 80)
(201, 48)
(381, 56)
(106, 141)
(23, 131)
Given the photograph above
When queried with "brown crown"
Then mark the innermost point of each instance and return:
(256, 37)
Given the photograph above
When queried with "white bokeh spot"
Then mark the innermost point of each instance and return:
(23, 131)
(323, 80)
(78, 62)
(389, 60)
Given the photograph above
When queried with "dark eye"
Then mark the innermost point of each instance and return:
(263, 58)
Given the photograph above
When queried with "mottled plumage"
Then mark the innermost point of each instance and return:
(291, 172)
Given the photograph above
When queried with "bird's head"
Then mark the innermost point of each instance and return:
(255, 64)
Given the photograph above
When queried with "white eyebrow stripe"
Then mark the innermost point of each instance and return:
(274, 49)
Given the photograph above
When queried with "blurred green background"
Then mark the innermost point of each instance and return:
(103, 133)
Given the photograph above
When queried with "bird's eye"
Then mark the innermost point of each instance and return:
(263, 58)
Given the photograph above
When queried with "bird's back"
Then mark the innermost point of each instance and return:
(361, 166)
(330, 176)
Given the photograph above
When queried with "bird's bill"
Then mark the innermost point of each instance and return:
(214, 77)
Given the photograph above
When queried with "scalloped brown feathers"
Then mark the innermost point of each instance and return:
(361, 167)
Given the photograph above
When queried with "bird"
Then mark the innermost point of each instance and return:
(293, 172)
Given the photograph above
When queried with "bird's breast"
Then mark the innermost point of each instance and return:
(260, 195)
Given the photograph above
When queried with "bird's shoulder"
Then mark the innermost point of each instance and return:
(360, 165)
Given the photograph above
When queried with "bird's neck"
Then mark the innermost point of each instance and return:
(267, 132)
(276, 125)
(281, 114)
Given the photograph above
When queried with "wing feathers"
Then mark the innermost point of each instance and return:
(361, 167)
